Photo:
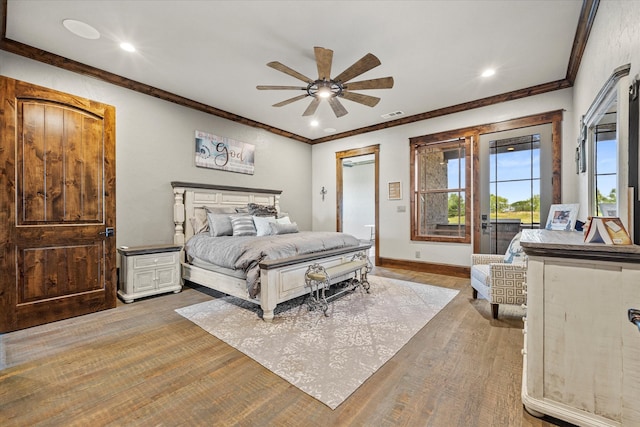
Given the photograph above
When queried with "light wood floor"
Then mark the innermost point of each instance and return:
(141, 364)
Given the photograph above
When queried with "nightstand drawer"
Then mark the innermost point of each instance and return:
(154, 260)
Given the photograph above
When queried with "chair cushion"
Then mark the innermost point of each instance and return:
(481, 273)
(514, 252)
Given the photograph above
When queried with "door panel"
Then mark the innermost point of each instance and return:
(58, 180)
(510, 177)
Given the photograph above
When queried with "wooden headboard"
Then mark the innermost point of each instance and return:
(190, 197)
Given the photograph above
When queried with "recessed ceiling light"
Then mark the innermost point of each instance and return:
(314, 123)
(81, 29)
(488, 72)
(127, 46)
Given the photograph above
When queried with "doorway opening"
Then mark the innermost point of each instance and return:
(357, 191)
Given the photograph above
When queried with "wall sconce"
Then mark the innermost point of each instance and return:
(323, 192)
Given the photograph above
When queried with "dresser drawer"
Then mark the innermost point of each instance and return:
(155, 260)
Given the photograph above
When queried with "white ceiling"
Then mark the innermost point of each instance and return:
(215, 52)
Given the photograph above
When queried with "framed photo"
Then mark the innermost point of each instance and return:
(395, 190)
(562, 217)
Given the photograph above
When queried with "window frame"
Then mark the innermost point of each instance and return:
(434, 140)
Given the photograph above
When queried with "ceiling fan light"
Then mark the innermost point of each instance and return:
(324, 92)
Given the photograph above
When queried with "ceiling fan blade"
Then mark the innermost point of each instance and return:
(369, 101)
(363, 65)
(313, 106)
(381, 83)
(290, 100)
(293, 73)
(337, 107)
(324, 57)
(262, 87)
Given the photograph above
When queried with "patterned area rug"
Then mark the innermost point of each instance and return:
(326, 357)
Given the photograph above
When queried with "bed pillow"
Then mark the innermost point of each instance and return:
(243, 225)
(262, 224)
(261, 210)
(220, 209)
(219, 225)
(283, 228)
(199, 221)
(283, 220)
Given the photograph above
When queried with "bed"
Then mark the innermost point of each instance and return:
(280, 278)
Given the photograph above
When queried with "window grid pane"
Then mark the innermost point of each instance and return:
(441, 193)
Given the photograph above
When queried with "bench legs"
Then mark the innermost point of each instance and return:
(318, 279)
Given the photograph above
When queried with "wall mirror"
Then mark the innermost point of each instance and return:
(603, 149)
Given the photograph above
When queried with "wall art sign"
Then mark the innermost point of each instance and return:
(218, 152)
(395, 190)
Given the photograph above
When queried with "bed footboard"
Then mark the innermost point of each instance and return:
(282, 280)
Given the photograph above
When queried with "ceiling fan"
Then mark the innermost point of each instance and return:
(332, 88)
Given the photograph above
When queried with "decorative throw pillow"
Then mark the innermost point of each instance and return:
(515, 252)
(283, 220)
(260, 210)
(219, 225)
(283, 228)
(262, 224)
(243, 225)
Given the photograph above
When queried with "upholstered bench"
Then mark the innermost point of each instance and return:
(318, 279)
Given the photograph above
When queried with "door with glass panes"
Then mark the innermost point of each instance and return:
(516, 187)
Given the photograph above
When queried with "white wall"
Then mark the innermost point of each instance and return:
(155, 144)
(394, 232)
(614, 41)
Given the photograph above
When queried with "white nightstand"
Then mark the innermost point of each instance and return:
(149, 270)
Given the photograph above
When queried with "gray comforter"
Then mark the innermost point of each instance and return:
(246, 252)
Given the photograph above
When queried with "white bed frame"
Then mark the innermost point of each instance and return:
(281, 280)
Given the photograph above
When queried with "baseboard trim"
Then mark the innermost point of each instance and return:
(426, 267)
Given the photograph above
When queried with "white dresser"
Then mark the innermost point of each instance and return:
(148, 270)
(581, 353)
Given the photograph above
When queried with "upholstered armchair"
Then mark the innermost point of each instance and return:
(500, 278)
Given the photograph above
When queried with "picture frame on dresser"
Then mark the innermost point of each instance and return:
(562, 217)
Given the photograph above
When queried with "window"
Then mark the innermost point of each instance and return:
(440, 189)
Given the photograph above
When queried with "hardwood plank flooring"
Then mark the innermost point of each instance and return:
(142, 364)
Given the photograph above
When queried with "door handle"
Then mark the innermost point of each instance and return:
(108, 232)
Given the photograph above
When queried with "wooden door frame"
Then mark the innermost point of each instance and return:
(340, 156)
(552, 117)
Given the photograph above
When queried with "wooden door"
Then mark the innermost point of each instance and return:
(57, 198)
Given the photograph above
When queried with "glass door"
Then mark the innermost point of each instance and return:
(512, 194)
(514, 182)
